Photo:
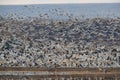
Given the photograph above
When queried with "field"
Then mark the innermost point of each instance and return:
(59, 73)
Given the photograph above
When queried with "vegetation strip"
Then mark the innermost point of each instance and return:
(59, 71)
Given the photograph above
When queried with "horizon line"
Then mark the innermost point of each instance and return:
(64, 3)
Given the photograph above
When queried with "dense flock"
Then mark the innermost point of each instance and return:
(76, 43)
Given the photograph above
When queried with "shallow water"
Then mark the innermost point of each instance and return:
(61, 11)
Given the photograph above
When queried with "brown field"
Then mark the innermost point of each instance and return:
(35, 73)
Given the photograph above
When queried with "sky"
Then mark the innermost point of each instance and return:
(14, 2)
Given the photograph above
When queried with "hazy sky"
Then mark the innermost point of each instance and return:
(55, 1)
